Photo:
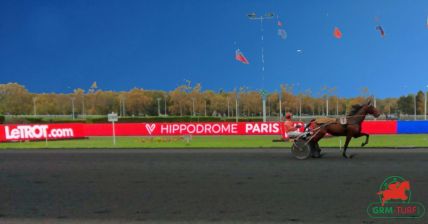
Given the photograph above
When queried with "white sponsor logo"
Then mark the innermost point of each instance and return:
(36, 132)
(150, 128)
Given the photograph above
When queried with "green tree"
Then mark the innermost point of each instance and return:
(420, 100)
(137, 102)
(405, 104)
(15, 99)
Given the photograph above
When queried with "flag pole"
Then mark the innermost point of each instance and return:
(253, 16)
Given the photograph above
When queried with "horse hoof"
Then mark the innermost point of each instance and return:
(316, 154)
(345, 156)
(352, 156)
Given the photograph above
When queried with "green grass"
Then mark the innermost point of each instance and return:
(216, 142)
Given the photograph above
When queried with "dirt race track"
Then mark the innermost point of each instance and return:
(194, 186)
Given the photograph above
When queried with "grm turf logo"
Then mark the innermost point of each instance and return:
(395, 200)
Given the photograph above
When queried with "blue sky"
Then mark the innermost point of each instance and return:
(57, 46)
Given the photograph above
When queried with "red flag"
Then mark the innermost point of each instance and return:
(337, 33)
(282, 34)
(381, 31)
(239, 56)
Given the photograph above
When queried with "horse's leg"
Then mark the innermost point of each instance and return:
(367, 139)
(315, 149)
(348, 139)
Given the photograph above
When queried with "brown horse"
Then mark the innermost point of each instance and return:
(351, 129)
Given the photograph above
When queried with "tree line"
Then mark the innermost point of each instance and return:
(188, 99)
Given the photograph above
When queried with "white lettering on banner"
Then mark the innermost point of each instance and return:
(36, 132)
(199, 128)
(175, 128)
(208, 129)
(216, 126)
(164, 129)
(261, 128)
(66, 132)
(182, 128)
(248, 127)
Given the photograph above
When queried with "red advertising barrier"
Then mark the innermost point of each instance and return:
(75, 130)
(41, 132)
(209, 128)
(379, 127)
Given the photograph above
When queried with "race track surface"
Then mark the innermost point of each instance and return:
(195, 186)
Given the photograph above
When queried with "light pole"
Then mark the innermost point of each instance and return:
(165, 104)
(415, 105)
(72, 106)
(337, 106)
(328, 94)
(313, 109)
(236, 105)
(253, 16)
(374, 101)
(326, 105)
(34, 106)
(425, 105)
(228, 109)
(374, 104)
(83, 105)
(321, 108)
(205, 107)
(264, 104)
(158, 99)
(193, 106)
(122, 105)
(300, 107)
(280, 105)
(299, 97)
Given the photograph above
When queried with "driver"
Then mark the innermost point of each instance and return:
(291, 129)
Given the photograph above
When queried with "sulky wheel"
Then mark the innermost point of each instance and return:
(301, 149)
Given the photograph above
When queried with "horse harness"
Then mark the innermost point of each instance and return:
(342, 121)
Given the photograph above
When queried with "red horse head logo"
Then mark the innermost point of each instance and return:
(396, 190)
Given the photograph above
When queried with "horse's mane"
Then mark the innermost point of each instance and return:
(355, 108)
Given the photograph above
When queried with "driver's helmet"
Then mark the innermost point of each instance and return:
(288, 115)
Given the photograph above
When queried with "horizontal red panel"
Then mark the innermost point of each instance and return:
(209, 128)
(75, 130)
(379, 127)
